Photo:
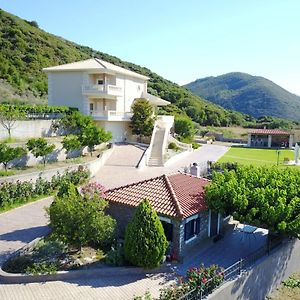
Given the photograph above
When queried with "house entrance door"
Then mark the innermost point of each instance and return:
(213, 224)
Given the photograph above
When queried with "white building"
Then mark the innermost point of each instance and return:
(102, 90)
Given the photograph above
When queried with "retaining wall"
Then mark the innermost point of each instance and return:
(93, 166)
(265, 276)
(29, 129)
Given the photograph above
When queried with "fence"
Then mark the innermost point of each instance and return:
(232, 271)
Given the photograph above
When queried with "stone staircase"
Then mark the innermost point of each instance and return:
(156, 156)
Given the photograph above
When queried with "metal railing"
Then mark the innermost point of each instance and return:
(232, 271)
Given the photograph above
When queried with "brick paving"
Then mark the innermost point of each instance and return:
(115, 173)
(108, 288)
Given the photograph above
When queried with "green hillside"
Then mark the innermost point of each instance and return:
(248, 94)
(26, 49)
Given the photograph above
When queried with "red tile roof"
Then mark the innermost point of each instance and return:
(177, 195)
(269, 131)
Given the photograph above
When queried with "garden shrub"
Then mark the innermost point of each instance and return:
(17, 264)
(78, 220)
(203, 279)
(145, 241)
(116, 256)
(41, 268)
(173, 146)
(195, 145)
(21, 192)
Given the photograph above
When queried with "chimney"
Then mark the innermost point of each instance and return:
(195, 170)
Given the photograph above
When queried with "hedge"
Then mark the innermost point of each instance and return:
(12, 193)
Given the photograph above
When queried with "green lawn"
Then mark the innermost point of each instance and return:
(257, 157)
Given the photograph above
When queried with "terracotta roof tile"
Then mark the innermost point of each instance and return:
(177, 195)
(269, 131)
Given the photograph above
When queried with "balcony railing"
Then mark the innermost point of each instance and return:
(111, 115)
(102, 89)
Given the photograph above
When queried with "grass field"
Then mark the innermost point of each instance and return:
(257, 157)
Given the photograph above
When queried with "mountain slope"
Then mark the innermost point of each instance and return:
(26, 49)
(253, 95)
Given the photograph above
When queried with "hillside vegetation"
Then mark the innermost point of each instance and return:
(26, 49)
(253, 95)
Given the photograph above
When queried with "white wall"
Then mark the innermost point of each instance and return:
(119, 129)
(27, 129)
(132, 88)
(65, 88)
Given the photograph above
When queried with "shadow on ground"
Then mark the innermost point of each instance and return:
(25, 235)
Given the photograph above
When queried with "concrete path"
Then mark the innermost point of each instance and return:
(116, 174)
(108, 288)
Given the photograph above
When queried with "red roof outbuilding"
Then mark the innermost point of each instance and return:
(178, 195)
(269, 131)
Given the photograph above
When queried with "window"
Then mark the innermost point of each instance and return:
(191, 228)
(168, 229)
(100, 81)
(91, 106)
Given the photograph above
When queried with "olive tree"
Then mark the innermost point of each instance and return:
(40, 147)
(8, 153)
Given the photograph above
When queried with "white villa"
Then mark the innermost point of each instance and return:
(106, 92)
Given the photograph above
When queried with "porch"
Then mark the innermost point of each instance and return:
(232, 247)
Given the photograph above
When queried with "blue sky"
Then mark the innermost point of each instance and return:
(181, 40)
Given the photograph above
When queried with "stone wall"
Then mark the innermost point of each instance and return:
(203, 234)
(123, 214)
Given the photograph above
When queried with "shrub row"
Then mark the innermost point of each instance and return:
(34, 109)
(21, 192)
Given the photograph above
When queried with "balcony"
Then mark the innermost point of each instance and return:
(110, 115)
(102, 90)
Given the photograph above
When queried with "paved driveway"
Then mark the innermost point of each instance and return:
(22, 225)
(116, 172)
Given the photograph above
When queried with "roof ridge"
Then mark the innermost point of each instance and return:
(174, 197)
(99, 61)
(133, 183)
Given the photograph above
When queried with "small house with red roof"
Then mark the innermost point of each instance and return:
(179, 201)
(268, 138)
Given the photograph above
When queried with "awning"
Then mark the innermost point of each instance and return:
(156, 101)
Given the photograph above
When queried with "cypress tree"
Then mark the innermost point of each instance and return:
(145, 241)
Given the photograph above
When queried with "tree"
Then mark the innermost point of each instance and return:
(263, 196)
(74, 122)
(9, 117)
(80, 220)
(145, 241)
(71, 143)
(93, 135)
(7, 154)
(40, 147)
(184, 126)
(142, 120)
